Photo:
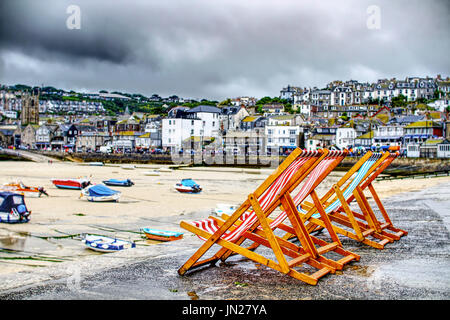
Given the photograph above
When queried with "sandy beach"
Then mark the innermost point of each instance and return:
(48, 237)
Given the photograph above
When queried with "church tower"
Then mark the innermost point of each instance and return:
(30, 109)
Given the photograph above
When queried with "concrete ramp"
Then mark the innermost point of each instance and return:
(35, 157)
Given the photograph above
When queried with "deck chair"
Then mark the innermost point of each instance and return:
(272, 193)
(361, 227)
(385, 226)
(329, 162)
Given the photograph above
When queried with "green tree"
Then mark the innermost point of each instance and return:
(399, 101)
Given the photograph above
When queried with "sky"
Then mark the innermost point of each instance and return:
(218, 49)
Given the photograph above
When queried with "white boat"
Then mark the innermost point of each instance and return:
(128, 167)
(165, 170)
(106, 244)
(96, 164)
(151, 173)
(100, 193)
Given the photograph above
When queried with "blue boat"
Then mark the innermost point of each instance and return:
(119, 183)
(13, 208)
(100, 193)
(106, 244)
(188, 186)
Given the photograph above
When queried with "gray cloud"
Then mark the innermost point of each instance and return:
(218, 49)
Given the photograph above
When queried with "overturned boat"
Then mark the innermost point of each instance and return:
(100, 193)
(119, 183)
(106, 244)
(13, 208)
(188, 186)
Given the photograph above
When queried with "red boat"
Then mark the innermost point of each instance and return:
(74, 184)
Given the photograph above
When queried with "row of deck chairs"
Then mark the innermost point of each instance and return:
(286, 215)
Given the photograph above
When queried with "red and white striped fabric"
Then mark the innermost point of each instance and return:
(306, 187)
(249, 218)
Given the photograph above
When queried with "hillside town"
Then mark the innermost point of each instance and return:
(410, 116)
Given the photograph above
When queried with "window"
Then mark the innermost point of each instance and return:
(192, 131)
(17, 200)
(192, 122)
(291, 141)
(170, 122)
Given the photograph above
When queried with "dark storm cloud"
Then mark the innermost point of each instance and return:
(218, 49)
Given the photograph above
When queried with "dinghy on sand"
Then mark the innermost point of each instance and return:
(119, 183)
(76, 184)
(106, 244)
(100, 193)
(188, 186)
(19, 187)
(151, 173)
(162, 235)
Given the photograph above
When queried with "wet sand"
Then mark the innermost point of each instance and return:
(56, 221)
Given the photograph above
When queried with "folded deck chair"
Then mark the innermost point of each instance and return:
(360, 227)
(329, 162)
(272, 193)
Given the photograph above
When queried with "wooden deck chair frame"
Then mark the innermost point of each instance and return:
(347, 255)
(281, 248)
(363, 225)
(386, 227)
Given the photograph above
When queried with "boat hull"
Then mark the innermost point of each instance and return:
(70, 184)
(113, 198)
(187, 190)
(7, 217)
(29, 192)
(161, 235)
(116, 184)
(106, 244)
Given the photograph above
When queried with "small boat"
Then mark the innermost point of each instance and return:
(224, 208)
(13, 208)
(165, 170)
(19, 187)
(76, 184)
(128, 167)
(96, 164)
(151, 173)
(119, 183)
(188, 186)
(162, 235)
(106, 244)
(100, 193)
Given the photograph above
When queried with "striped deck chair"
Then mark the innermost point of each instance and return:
(315, 177)
(345, 221)
(386, 227)
(270, 195)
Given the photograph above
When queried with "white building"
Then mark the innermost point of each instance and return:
(345, 137)
(282, 137)
(176, 130)
(210, 117)
(389, 135)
